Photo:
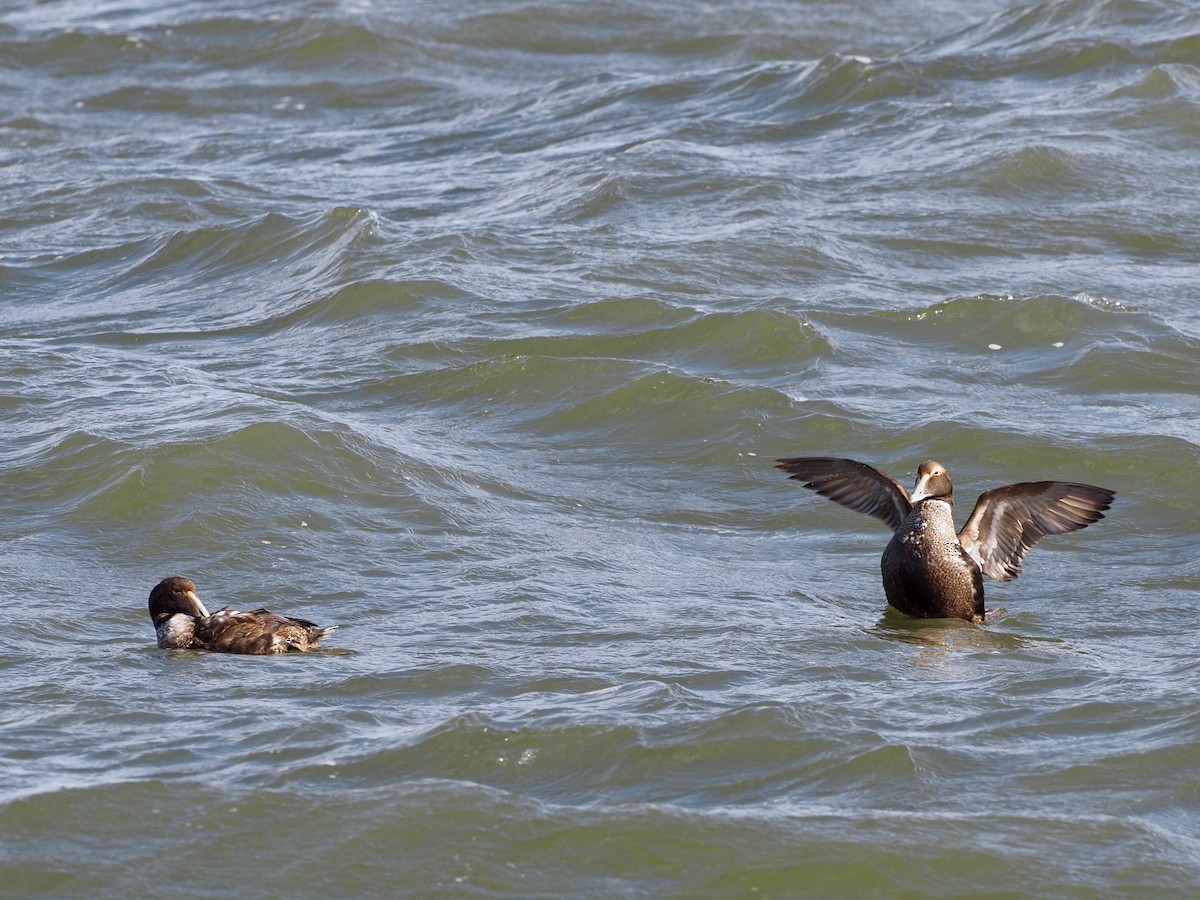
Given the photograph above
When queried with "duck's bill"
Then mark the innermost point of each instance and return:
(200, 608)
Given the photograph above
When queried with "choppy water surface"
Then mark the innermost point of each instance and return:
(475, 327)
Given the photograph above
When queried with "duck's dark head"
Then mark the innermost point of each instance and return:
(172, 596)
(933, 483)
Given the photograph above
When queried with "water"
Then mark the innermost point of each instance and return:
(474, 328)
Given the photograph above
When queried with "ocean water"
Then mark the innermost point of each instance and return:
(474, 328)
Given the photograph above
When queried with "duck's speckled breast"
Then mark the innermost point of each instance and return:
(177, 632)
(925, 570)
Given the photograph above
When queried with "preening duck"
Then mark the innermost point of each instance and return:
(182, 623)
(929, 570)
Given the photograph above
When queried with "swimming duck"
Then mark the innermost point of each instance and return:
(929, 570)
(182, 623)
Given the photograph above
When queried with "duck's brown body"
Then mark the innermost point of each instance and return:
(926, 571)
(930, 570)
(182, 623)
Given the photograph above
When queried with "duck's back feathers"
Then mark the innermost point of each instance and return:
(852, 484)
(258, 631)
(1008, 521)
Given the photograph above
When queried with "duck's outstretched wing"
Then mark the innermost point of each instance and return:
(854, 485)
(1008, 521)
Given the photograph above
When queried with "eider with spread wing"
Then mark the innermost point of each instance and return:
(929, 569)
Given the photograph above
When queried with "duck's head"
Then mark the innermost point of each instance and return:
(172, 596)
(933, 483)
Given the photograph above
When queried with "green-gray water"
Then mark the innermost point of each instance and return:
(475, 327)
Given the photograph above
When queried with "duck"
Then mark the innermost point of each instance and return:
(183, 623)
(929, 569)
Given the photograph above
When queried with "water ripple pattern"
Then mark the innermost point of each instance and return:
(474, 328)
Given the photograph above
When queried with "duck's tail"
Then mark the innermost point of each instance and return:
(316, 635)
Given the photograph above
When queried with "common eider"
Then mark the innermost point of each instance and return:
(929, 570)
(182, 623)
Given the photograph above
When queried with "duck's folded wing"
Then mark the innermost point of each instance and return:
(232, 631)
(853, 484)
(1008, 521)
(258, 631)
